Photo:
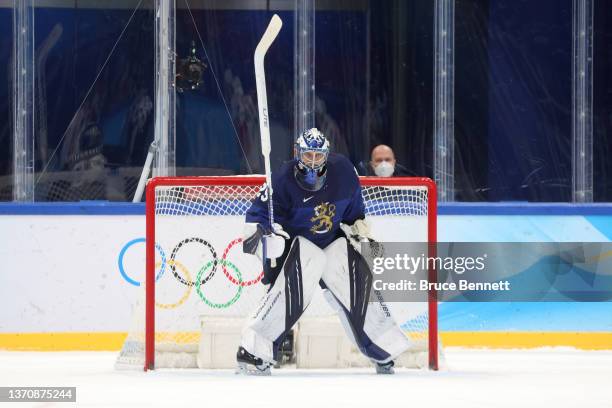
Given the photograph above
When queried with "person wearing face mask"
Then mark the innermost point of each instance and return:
(383, 164)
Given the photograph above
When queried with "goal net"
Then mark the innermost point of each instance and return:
(196, 270)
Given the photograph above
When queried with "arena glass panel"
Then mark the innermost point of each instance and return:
(602, 100)
(94, 99)
(513, 100)
(6, 95)
(217, 125)
(374, 80)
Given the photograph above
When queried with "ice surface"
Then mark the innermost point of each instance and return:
(543, 378)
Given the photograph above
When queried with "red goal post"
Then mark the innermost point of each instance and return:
(401, 195)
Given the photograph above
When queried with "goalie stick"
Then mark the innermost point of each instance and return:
(262, 104)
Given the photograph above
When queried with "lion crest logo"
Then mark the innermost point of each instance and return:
(322, 219)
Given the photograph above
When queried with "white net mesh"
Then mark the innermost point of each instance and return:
(201, 270)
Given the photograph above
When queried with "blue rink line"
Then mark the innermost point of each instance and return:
(524, 208)
(125, 208)
(73, 208)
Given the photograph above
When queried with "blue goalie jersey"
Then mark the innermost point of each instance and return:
(315, 215)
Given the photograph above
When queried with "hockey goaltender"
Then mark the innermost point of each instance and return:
(314, 240)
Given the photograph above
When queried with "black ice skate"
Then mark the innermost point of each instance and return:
(248, 364)
(385, 368)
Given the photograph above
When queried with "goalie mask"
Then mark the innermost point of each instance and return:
(311, 152)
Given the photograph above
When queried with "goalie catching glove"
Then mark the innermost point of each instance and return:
(359, 233)
(255, 238)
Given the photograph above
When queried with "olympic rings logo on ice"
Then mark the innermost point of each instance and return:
(184, 277)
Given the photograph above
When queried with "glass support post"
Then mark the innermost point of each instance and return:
(165, 91)
(304, 60)
(23, 100)
(582, 101)
(444, 103)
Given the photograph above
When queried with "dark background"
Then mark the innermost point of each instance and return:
(374, 82)
(6, 130)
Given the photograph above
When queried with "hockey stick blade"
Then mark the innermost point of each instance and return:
(269, 36)
(260, 52)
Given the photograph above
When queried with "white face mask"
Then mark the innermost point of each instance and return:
(384, 169)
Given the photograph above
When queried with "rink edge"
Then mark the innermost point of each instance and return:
(110, 341)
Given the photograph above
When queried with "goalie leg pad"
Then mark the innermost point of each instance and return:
(367, 322)
(286, 300)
